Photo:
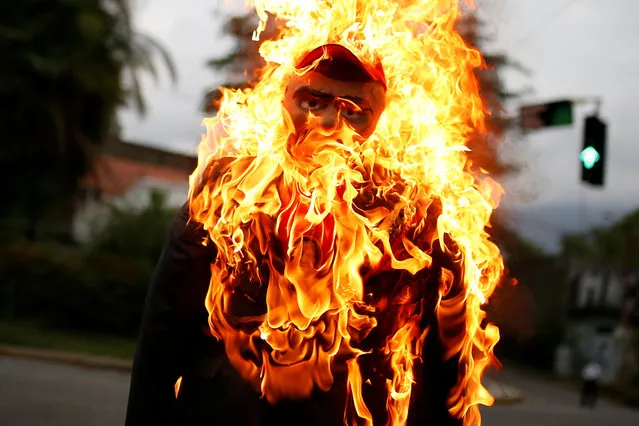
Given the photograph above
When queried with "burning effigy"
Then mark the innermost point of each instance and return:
(347, 222)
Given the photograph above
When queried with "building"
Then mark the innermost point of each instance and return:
(603, 321)
(126, 175)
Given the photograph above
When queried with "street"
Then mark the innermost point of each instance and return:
(550, 404)
(35, 393)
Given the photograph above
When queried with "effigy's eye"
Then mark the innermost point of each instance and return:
(312, 104)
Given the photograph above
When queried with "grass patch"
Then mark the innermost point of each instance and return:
(32, 335)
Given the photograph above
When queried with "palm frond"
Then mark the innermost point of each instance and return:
(136, 91)
(162, 51)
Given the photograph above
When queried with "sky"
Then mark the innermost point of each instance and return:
(572, 49)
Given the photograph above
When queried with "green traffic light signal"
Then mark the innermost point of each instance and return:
(560, 113)
(549, 114)
(589, 157)
(593, 153)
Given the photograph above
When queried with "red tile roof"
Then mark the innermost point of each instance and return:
(115, 175)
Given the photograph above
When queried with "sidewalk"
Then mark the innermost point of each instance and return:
(80, 360)
(502, 393)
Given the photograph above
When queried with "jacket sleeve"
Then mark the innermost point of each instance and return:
(444, 316)
(438, 378)
(439, 373)
(171, 329)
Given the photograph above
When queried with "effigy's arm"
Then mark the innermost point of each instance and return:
(438, 371)
(437, 374)
(438, 378)
(172, 324)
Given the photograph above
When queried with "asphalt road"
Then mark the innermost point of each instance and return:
(550, 404)
(46, 394)
(35, 394)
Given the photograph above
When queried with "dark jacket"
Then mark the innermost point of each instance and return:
(174, 341)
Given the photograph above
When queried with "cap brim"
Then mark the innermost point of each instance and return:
(339, 52)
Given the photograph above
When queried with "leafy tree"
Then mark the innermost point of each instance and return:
(68, 66)
(241, 66)
(613, 246)
(135, 233)
(485, 146)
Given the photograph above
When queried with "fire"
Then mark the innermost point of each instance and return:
(177, 386)
(304, 231)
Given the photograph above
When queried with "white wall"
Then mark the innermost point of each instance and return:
(92, 213)
(592, 284)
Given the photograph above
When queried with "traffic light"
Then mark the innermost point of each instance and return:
(593, 154)
(550, 114)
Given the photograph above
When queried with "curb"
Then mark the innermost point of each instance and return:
(503, 394)
(86, 361)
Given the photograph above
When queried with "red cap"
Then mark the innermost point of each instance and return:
(334, 53)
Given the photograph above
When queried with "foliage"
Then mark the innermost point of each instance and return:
(63, 76)
(138, 233)
(241, 66)
(137, 52)
(70, 289)
(101, 289)
(485, 146)
(613, 246)
(33, 334)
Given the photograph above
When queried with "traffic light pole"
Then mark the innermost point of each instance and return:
(582, 209)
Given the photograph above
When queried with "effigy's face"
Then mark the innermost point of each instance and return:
(315, 101)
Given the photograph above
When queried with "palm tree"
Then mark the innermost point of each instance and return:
(67, 65)
(137, 52)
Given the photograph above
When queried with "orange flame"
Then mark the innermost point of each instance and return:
(299, 232)
(177, 386)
